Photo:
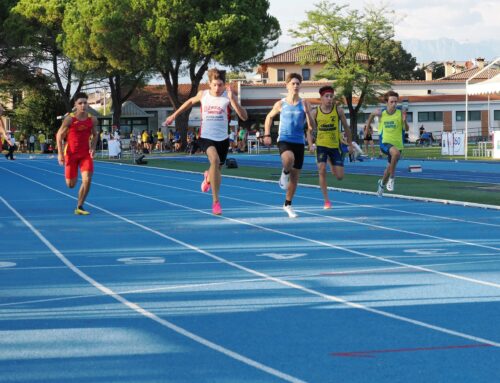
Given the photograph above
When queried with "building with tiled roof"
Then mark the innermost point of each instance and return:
(438, 104)
(276, 67)
(466, 74)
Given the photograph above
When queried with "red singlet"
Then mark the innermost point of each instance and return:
(77, 149)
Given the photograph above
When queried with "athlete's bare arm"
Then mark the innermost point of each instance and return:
(93, 142)
(346, 126)
(240, 111)
(60, 136)
(311, 123)
(188, 104)
(375, 113)
(269, 120)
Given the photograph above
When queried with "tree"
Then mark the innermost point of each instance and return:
(352, 44)
(99, 36)
(187, 36)
(397, 62)
(36, 28)
(38, 110)
(15, 62)
(7, 56)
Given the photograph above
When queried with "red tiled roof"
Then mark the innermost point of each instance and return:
(448, 98)
(466, 74)
(282, 84)
(155, 96)
(292, 56)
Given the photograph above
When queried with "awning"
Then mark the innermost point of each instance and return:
(489, 86)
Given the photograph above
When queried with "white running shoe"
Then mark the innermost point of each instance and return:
(289, 210)
(380, 188)
(284, 180)
(390, 184)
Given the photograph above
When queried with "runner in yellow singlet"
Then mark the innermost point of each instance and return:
(391, 127)
(327, 116)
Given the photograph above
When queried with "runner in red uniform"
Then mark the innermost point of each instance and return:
(76, 130)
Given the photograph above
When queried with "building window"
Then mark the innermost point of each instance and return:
(496, 115)
(306, 74)
(362, 117)
(430, 116)
(281, 75)
(474, 115)
(409, 117)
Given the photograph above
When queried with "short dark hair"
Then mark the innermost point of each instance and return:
(216, 74)
(291, 76)
(326, 89)
(390, 93)
(80, 95)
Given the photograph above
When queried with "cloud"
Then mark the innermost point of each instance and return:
(462, 20)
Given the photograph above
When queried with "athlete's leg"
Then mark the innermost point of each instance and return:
(386, 174)
(70, 171)
(395, 154)
(214, 172)
(292, 186)
(322, 180)
(337, 171)
(71, 182)
(287, 160)
(85, 187)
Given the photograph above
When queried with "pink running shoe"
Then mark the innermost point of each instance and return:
(216, 209)
(205, 185)
(327, 205)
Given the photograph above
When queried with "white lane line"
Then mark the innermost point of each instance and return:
(316, 199)
(317, 242)
(135, 307)
(298, 195)
(314, 214)
(138, 291)
(265, 276)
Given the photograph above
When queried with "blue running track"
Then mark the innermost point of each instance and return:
(151, 287)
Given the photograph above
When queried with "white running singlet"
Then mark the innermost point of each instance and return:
(215, 114)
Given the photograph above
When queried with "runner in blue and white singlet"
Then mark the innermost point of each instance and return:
(292, 122)
(294, 113)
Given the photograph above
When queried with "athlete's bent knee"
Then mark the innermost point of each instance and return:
(71, 183)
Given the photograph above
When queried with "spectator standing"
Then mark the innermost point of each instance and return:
(160, 143)
(31, 143)
(12, 146)
(368, 139)
(42, 140)
(242, 139)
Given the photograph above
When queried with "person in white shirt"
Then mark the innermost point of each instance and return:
(214, 139)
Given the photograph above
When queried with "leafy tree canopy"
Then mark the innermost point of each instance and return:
(354, 45)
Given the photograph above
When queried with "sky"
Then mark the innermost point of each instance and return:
(469, 24)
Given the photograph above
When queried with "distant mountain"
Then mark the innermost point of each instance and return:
(445, 49)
